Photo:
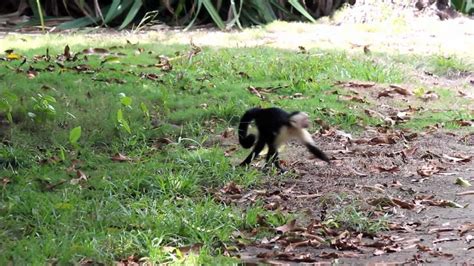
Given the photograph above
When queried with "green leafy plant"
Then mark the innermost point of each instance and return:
(121, 120)
(224, 14)
(6, 104)
(465, 6)
(43, 109)
(74, 135)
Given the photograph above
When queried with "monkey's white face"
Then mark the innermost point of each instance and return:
(300, 120)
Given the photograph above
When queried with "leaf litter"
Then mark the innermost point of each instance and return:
(402, 175)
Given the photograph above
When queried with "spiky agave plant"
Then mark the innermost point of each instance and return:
(224, 14)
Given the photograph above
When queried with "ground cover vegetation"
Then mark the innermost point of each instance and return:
(126, 151)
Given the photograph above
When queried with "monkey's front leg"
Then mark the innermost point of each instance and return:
(255, 152)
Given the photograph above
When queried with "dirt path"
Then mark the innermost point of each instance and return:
(410, 181)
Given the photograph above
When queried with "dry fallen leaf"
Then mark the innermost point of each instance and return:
(400, 90)
(469, 192)
(81, 176)
(231, 188)
(463, 229)
(355, 84)
(429, 170)
(118, 157)
(290, 226)
(430, 96)
(458, 158)
(387, 169)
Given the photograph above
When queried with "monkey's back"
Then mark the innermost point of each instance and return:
(270, 120)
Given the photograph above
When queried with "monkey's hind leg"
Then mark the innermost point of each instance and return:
(255, 152)
(272, 158)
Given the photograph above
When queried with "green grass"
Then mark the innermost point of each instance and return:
(349, 212)
(163, 197)
(449, 66)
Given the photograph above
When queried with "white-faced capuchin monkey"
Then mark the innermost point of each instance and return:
(275, 127)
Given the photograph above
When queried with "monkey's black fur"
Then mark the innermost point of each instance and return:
(269, 123)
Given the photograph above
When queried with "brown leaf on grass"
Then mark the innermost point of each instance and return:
(254, 91)
(429, 170)
(271, 206)
(228, 132)
(355, 84)
(164, 64)
(80, 177)
(118, 157)
(130, 260)
(31, 73)
(290, 226)
(231, 188)
(97, 51)
(67, 52)
(430, 96)
(5, 181)
(465, 95)
(463, 229)
(352, 98)
(185, 250)
(400, 90)
(385, 93)
(385, 139)
(151, 76)
(243, 75)
(464, 123)
(110, 80)
(230, 151)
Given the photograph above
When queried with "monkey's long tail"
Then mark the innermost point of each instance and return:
(244, 140)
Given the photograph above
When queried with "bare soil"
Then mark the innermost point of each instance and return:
(419, 232)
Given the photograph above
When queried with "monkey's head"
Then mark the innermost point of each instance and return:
(299, 120)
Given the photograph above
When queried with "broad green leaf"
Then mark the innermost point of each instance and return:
(4, 106)
(145, 109)
(137, 4)
(195, 17)
(10, 96)
(110, 59)
(116, 9)
(265, 10)
(49, 98)
(236, 14)
(119, 115)
(126, 101)
(213, 13)
(301, 9)
(74, 135)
